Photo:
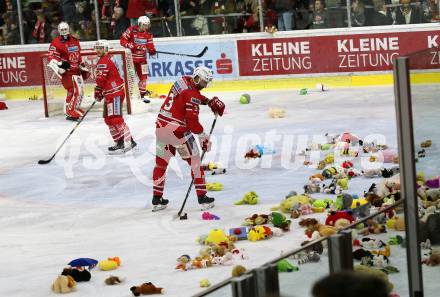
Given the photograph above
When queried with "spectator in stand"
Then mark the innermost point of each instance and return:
(350, 284)
(199, 24)
(318, 19)
(251, 23)
(42, 29)
(407, 14)
(11, 34)
(167, 12)
(121, 22)
(54, 26)
(357, 14)
(135, 9)
(334, 12)
(381, 16)
(286, 14)
(68, 10)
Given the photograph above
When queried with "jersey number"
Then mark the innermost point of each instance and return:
(170, 102)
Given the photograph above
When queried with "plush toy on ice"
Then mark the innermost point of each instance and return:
(259, 233)
(279, 220)
(248, 198)
(214, 168)
(259, 150)
(63, 284)
(109, 264)
(146, 289)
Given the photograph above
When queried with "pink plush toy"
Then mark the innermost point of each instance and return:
(388, 156)
(433, 183)
(306, 209)
(207, 216)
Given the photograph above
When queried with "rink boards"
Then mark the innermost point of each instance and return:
(258, 61)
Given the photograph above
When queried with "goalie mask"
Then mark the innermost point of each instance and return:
(144, 22)
(63, 29)
(202, 76)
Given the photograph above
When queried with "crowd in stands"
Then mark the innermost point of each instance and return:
(199, 17)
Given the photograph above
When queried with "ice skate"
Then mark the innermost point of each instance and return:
(146, 98)
(206, 202)
(118, 148)
(159, 203)
(73, 115)
(130, 147)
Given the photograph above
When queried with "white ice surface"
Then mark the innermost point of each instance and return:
(88, 204)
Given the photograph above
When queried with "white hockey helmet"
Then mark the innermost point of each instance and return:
(202, 73)
(63, 29)
(144, 21)
(102, 43)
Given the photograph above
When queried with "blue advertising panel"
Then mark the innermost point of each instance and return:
(221, 57)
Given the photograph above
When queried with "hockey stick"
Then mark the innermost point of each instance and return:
(185, 55)
(179, 214)
(41, 162)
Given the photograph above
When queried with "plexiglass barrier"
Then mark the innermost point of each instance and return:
(424, 70)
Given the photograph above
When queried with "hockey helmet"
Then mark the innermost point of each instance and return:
(102, 43)
(202, 73)
(63, 29)
(144, 21)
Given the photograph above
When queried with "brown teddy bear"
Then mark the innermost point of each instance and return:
(63, 284)
(113, 280)
(433, 260)
(146, 289)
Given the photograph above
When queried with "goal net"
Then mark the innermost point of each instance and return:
(54, 94)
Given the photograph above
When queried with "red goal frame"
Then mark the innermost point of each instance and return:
(50, 79)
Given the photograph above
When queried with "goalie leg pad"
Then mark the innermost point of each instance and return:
(78, 87)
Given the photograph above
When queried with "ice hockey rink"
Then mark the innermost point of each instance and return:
(86, 203)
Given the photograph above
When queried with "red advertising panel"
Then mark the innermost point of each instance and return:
(20, 69)
(330, 54)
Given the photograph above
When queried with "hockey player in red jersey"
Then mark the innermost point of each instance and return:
(140, 41)
(110, 87)
(65, 60)
(176, 124)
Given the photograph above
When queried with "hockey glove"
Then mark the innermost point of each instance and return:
(98, 94)
(85, 72)
(64, 65)
(217, 106)
(204, 141)
(151, 50)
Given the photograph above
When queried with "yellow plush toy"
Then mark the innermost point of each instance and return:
(287, 204)
(248, 198)
(358, 202)
(343, 183)
(259, 233)
(214, 186)
(216, 236)
(329, 158)
(109, 264)
(204, 283)
(275, 113)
